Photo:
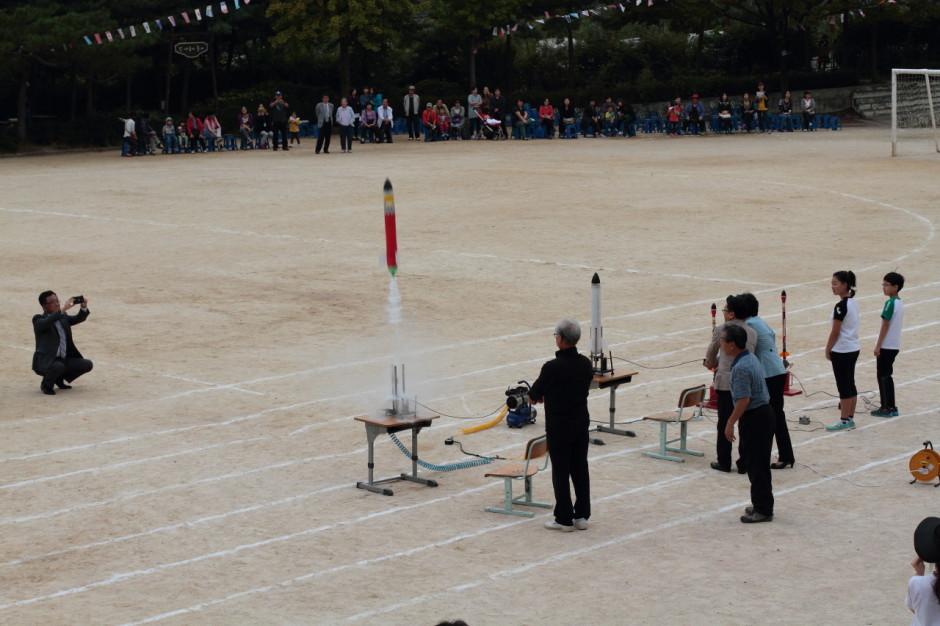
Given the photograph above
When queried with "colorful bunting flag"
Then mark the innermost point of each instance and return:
(224, 7)
(147, 27)
(121, 32)
(209, 11)
(87, 40)
(159, 24)
(107, 34)
(133, 31)
(185, 17)
(198, 15)
(98, 38)
(172, 20)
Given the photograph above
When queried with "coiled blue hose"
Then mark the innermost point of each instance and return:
(438, 468)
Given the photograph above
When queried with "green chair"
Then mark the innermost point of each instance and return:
(690, 407)
(534, 450)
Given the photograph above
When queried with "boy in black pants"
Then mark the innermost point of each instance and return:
(889, 343)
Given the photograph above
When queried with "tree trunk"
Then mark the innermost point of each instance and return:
(184, 105)
(73, 94)
(569, 83)
(215, 83)
(344, 80)
(21, 106)
(473, 63)
(169, 76)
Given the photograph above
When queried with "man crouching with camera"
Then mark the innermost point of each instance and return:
(57, 359)
(563, 385)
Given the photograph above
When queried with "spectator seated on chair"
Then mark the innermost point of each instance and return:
(147, 136)
(808, 107)
(212, 131)
(443, 119)
(694, 117)
(673, 115)
(262, 127)
(429, 117)
(591, 120)
(182, 137)
(367, 122)
(747, 113)
(521, 120)
(171, 144)
(457, 116)
(194, 129)
(568, 120)
(627, 117)
(724, 115)
(246, 123)
(611, 121)
(547, 118)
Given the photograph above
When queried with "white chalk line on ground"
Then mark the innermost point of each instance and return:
(325, 368)
(562, 556)
(387, 557)
(122, 464)
(468, 343)
(231, 551)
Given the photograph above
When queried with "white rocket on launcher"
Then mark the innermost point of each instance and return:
(598, 344)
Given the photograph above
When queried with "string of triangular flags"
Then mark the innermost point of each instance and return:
(158, 24)
(502, 31)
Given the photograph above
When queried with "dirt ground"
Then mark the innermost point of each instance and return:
(204, 471)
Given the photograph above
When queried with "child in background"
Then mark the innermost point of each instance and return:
(170, 143)
(672, 115)
(293, 125)
(889, 343)
(182, 137)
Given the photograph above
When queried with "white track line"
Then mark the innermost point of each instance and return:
(555, 558)
(121, 577)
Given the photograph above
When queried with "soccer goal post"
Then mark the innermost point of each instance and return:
(913, 108)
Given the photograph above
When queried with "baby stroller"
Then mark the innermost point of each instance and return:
(491, 128)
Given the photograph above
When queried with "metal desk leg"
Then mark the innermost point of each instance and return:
(371, 433)
(613, 410)
(413, 476)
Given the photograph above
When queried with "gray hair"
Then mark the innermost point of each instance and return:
(569, 331)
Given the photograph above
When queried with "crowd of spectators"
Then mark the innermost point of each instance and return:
(368, 117)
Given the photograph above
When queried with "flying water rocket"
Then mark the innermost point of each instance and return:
(602, 363)
(391, 236)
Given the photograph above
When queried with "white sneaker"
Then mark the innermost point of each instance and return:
(553, 525)
(580, 523)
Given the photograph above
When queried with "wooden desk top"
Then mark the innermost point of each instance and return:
(393, 421)
(605, 380)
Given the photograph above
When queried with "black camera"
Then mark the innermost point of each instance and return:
(78, 299)
(518, 397)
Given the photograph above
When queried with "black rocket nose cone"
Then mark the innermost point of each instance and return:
(596, 280)
(388, 185)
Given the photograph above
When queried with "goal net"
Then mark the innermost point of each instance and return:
(915, 108)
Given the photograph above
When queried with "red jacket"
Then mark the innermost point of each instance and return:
(194, 127)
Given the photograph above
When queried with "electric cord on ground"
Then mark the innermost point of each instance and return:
(650, 367)
(852, 482)
(460, 417)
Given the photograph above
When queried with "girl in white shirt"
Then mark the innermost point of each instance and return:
(843, 346)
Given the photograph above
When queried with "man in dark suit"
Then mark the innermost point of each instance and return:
(57, 359)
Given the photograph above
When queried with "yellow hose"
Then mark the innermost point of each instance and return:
(489, 424)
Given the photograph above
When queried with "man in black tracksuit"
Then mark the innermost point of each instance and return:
(563, 385)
